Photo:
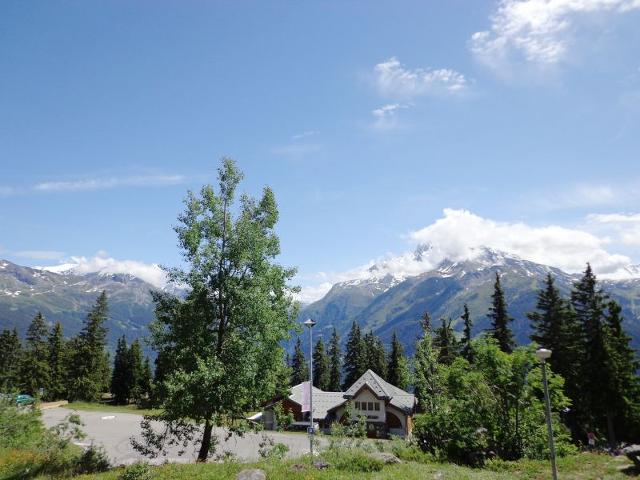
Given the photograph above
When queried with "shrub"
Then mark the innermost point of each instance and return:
(93, 460)
(268, 448)
(356, 461)
(410, 452)
(137, 471)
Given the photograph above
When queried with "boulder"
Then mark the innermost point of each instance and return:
(386, 458)
(251, 474)
(633, 453)
(321, 465)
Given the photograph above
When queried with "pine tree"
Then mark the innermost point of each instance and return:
(10, 355)
(446, 343)
(120, 384)
(467, 349)
(500, 319)
(57, 364)
(320, 366)
(34, 370)
(375, 356)
(354, 358)
(299, 367)
(89, 365)
(146, 380)
(335, 363)
(427, 382)
(397, 369)
(135, 371)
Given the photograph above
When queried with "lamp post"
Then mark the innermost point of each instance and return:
(543, 354)
(309, 324)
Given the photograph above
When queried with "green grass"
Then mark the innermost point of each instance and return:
(581, 466)
(107, 407)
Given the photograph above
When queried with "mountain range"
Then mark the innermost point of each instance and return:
(380, 301)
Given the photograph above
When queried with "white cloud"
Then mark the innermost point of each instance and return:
(40, 254)
(625, 227)
(385, 116)
(462, 235)
(102, 263)
(393, 80)
(308, 133)
(537, 31)
(111, 182)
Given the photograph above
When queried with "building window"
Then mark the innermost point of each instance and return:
(357, 405)
(363, 405)
(370, 406)
(377, 405)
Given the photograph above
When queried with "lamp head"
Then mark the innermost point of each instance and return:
(309, 323)
(543, 354)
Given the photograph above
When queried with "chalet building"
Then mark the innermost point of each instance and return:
(388, 409)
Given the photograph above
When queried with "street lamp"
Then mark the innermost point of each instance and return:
(543, 354)
(309, 324)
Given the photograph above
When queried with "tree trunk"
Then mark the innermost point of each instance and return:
(206, 441)
(611, 431)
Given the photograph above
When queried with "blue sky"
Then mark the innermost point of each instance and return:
(368, 119)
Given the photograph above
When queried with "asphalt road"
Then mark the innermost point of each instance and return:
(114, 431)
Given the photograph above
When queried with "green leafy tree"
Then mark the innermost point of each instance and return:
(466, 347)
(500, 318)
(375, 356)
(320, 366)
(446, 343)
(354, 358)
(426, 369)
(120, 385)
(335, 362)
(35, 371)
(299, 367)
(224, 339)
(397, 366)
(10, 355)
(57, 364)
(88, 370)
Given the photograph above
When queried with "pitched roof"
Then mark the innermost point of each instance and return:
(322, 401)
(382, 389)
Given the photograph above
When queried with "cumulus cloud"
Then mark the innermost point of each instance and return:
(102, 263)
(625, 227)
(393, 80)
(462, 235)
(537, 31)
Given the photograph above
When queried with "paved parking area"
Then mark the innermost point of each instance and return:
(113, 431)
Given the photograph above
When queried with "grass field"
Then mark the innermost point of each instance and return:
(106, 407)
(582, 466)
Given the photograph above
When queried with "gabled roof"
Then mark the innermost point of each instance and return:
(322, 401)
(397, 397)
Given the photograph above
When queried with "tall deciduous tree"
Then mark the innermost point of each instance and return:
(467, 349)
(335, 362)
(299, 367)
(397, 367)
(35, 371)
(225, 338)
(426, 376)
(354, 358)
(10, 354)
(500, 318)
(57, 364)
(320, 366)
(88, 369)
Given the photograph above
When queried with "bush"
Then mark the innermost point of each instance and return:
(356, 461)
(410, 452)
(93, 460)
(137, 471)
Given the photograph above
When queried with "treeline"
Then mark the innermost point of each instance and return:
(50, 367)
(595, 383)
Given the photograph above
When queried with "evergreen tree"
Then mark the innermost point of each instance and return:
(467, 349)
(446, 343)
(375, 356)
(397, 367)
(354, 358)
(146, 380)
(10, 355)
(57, 364)
(89, 363)
(299, 367)
(335, 363)
(427, 382)
(320, 366)
(35, 372)
(120, 375)
(500, 319)
(135, 371)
